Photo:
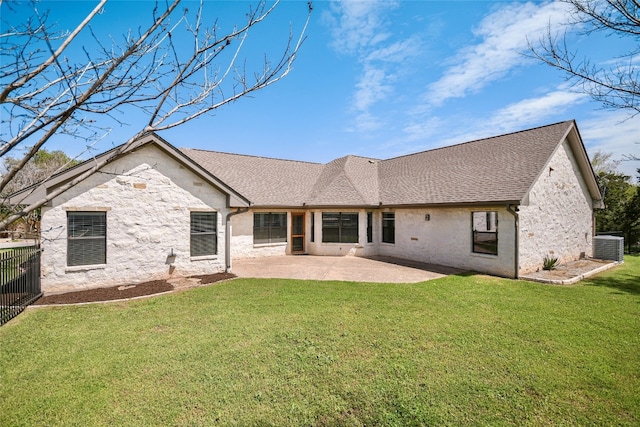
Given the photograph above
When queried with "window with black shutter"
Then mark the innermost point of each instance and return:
(86, 238)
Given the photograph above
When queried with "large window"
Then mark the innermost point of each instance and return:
(369, 227)
(269, 227)
(204, 236)
(339, 227)
(388, 227)
(485, 232)
(86, 238)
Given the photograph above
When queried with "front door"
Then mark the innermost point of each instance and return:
(297, 233)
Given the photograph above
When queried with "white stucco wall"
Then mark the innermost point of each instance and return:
(148, 198)
(445, 239)
(558, 220)
(242, 238)
(242, 245)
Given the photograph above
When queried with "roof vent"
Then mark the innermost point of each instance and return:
(608, 248)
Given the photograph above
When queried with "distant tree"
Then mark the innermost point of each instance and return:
(175, 67)
(617, 84)
(602, 163)
(39, 168)
(621, 200)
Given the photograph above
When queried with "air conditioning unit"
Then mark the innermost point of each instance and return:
(608, 247)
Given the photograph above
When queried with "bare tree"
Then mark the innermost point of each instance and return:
(39, 168)
(615, 85)
(175, 69)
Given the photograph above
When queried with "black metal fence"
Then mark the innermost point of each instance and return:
(19, 280)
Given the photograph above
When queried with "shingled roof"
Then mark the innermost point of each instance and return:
(499, 169)
(264, 181)
(496, 169)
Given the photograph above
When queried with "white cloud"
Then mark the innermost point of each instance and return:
(371, 88)
(504, 36)
(361, 29)
(533, 110)
(395, 52)
(357, 25)
(613, 132)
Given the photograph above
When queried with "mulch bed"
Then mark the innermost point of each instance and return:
(124, 291)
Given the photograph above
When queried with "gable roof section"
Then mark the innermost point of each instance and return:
(38, 191)
(499, 169)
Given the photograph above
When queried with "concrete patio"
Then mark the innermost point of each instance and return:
(343, 268)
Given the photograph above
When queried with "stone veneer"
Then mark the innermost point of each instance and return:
(147, 197)
(558, 220)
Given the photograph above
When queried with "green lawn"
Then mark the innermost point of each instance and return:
(463, 350)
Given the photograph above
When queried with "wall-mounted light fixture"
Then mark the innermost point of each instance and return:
(427, 217)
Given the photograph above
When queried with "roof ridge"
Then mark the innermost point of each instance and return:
(336, 170)
(480, 139)
(251, 155)
(359, 188)
(359, 157)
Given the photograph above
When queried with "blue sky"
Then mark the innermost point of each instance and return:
(386, 78)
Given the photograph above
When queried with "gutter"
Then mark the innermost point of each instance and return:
(516, 266)
(227, 239)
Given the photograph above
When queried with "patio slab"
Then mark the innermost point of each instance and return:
(343, 268)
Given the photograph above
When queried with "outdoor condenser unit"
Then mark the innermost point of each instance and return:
(608, 247)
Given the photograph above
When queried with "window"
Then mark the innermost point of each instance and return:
(86, 238)
(388, 227)
(204, 236)
(369, 227)
(485, 232)
(339, 227)
(313, 227)
(269, 227)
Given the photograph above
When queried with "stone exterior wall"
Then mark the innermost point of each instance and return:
(558, 220)
(147, 197)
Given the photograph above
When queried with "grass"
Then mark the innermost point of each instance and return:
(462, 350)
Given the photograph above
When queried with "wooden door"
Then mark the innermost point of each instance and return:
(297, 233)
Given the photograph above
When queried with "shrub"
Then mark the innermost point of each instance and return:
(549, 263)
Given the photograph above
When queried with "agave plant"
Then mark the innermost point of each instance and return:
(549, 263)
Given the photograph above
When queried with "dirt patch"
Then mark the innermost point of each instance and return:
(124, 291)
(205, 279)
(569, 271)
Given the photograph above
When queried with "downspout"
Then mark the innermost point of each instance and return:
(516, 266)
(227, 239)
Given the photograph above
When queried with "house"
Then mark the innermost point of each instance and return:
(497, 205)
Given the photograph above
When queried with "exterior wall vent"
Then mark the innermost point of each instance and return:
(608, 248)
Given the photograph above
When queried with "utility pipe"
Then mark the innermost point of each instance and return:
(516, 223)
